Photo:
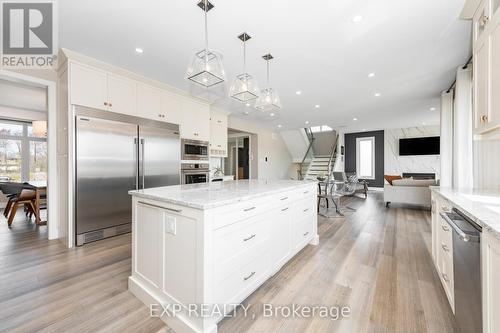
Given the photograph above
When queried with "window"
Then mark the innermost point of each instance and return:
(365, 158)
(23, 156)
(318, 129)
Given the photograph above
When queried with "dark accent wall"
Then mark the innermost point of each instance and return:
(350, 155)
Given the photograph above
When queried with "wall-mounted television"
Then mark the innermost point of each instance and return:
(419, 146)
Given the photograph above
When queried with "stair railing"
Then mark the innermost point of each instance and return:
(310, 135)
(333, 156)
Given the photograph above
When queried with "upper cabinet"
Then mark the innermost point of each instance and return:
(99, 89)
(149, 102)
(122, 94)
(88, 87)
(195, 120)
(486, 61)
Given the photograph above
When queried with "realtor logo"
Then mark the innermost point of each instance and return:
(28, 34)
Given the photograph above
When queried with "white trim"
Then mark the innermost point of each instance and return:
(358, 140)
(53, 221)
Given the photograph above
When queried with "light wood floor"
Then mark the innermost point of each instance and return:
(376, 261)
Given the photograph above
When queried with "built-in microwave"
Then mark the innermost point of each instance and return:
(194, 150)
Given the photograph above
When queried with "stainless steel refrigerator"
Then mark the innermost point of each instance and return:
(115, 154)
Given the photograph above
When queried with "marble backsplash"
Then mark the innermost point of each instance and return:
(396, 165)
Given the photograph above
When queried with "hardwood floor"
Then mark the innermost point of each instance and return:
(376, 261)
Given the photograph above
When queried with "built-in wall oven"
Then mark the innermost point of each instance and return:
(192, 173)
(194, 150)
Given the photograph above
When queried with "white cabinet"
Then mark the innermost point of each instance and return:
(149, 102)
(486, 60)
(195, 124)
(218, 134)
(442, 246)
(281, 242)
(171, 107)
(122, 94)
(491, 282)
(88, 87)
(147, 240)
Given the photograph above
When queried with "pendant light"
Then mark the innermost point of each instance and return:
(268, 100)
(206, 68)
(244, 87)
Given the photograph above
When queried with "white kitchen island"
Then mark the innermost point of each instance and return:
(201, 249)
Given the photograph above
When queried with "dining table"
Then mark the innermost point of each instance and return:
(40, 187)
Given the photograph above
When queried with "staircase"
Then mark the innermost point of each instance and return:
(312, 165)
(319, 165)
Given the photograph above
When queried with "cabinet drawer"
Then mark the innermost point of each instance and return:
(240, 283)
(234, 213)
(234, 239)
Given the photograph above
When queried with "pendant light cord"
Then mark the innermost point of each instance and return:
(244, 55)
(268, 72)
(206, 32)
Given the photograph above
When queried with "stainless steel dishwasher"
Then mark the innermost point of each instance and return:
(466, 271)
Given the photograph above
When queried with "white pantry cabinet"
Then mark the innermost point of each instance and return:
(195, 124)
(149, 102)
(122, 94)
(218, 134)
(88, 87)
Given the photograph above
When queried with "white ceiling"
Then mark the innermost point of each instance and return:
(414, 47)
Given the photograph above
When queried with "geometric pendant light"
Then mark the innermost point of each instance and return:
(268, 101)
(244, 87)
(206, 68)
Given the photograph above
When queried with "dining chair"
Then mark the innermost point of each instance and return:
(26, 197)
(11, 191)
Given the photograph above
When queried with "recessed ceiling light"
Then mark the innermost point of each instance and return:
(357, 18)
(248, 104)
(371, 75)
(354, 119)
(279, 126)
(377, 94)
(298, 92)
(307, 122)
(271, 114)
(433, 109)
(246, 112)
(424, 124)
(317, 106)
(139, 50)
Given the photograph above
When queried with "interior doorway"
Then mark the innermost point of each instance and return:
(237, 162)
(28, 165)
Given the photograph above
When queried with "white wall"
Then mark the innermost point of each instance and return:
(486, 164)
(270, 145)
(396, 165)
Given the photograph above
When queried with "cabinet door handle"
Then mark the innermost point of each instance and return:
(248, 277)
(284, 198)
(219, 121)
(307, 233)
(284, 209)
(110, 104)
(484, 118)
(248, 209)
(247, 239)
(445, 228)
(445, 277)
(445, 247)
(484, 20)
(305, 210)
(305, 192)
(106, 103)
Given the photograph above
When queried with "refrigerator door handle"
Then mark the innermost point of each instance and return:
(142, 162)
(136, 164)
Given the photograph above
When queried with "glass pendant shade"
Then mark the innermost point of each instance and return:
(268, 101)
(206, 69)
(244, 87)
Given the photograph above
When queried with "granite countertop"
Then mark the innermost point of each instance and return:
(216, 194)
(482, 206)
